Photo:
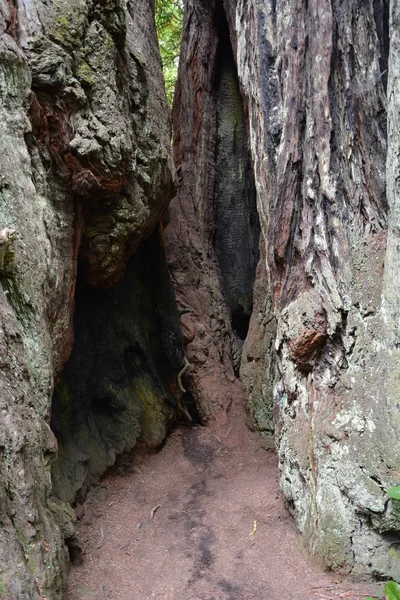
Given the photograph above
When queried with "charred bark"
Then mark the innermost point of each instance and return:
(212, 234)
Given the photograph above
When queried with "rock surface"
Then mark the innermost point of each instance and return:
(85, 171)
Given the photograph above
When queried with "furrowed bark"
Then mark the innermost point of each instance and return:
(212, 231)
(313, 79)
(322, 194)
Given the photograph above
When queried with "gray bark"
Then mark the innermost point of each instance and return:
(322, 204)
(391, 291)
(85, 169)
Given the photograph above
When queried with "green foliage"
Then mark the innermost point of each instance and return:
(392, 590)
(169, 17)
(394, 492)
(3, 589)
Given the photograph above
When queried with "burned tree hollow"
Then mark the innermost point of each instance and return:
(120, 384)
(237, 228)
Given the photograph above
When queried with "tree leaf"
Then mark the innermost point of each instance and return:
(394, 492)
(168, 18)
(392, 591)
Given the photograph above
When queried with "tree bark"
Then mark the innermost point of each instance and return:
(212, 233)
(323, 196)
(279, 234)
(313, 79)
(85, 168)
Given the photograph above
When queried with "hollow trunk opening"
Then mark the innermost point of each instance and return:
(127, 378)
(212, 230)
(119, 386)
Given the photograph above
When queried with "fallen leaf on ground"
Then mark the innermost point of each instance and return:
(254, 528)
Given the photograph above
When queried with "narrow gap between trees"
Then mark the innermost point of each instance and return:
(119, 387)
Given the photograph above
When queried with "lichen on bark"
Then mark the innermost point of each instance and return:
(86, 173)
(317, 70)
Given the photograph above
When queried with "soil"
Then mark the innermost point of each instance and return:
(203, 519)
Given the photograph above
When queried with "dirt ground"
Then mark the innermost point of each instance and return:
(201, 520)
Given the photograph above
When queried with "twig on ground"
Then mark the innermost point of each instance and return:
(321, 587)
(185, 367)
(350, 593)
(228, 432)
(101, 542)
(154, 510)
(124, 546)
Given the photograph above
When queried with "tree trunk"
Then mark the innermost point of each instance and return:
(212, 234)
(312, 79)
(85, 168)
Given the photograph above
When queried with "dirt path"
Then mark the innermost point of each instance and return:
(201, 520)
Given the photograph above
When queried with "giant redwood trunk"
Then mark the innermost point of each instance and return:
(85, 174)
(307, 97)
(212, 228)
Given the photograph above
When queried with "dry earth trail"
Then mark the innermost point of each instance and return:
(201, 520)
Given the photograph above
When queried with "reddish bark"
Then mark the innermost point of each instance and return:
(190, 229)
(313, 82)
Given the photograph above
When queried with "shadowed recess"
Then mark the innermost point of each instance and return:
(237, 228)
(119, 385)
